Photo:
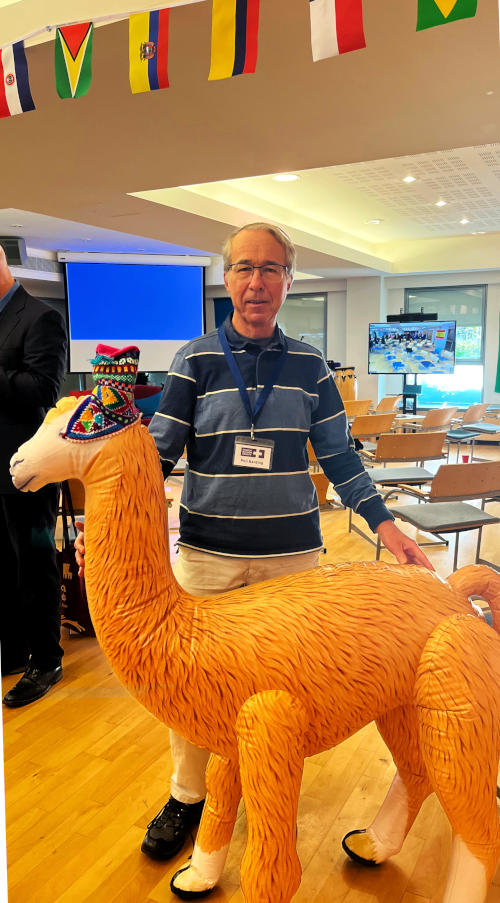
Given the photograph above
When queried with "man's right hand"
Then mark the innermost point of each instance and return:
(80, 547)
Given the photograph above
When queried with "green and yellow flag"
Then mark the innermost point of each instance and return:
(73, 59)
(438, 12)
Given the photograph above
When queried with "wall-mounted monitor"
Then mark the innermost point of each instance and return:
(412, 347)
(156, 307)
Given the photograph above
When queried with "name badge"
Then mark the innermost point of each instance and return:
(255, 453)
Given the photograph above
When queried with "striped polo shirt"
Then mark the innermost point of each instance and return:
(237, 511)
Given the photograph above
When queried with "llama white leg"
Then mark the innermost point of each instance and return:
(270, 729)
(458, 702)
(385, 836)
(467, 880)
(198, 877)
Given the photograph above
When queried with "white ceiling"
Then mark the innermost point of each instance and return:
(328, 210)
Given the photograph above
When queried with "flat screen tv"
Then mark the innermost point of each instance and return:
(154, 306)
(426, 346)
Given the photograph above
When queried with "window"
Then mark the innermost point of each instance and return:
(467, 305)
(303, 317)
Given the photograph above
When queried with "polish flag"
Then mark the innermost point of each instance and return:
(336, 27)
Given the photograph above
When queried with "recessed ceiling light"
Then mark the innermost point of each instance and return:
(478, 233)
(409, 179)
(440, 203)
(17, 225)
(374, 222)
(285, 177)
(489, 93)
(464, 221)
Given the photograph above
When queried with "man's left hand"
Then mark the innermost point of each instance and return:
(404, 549)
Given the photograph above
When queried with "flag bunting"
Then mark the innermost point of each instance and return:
(235, 27)
(15, 93)
(336, 27)
(148, 51)
(73, 59)
(438, 12)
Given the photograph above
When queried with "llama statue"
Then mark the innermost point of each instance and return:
(283, 669)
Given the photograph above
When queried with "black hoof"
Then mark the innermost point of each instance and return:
(188, 894)
(354, 856)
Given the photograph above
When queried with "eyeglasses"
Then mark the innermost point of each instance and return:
(270, 272)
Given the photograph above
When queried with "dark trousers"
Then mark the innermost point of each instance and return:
(30, 596)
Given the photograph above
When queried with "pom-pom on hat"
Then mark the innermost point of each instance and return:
(110, 407)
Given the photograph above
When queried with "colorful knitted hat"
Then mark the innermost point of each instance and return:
(111, 406)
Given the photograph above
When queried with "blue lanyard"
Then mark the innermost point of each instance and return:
(266, 390)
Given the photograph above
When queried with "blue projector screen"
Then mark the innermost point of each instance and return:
(154, 306)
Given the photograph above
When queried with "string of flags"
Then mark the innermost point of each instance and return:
(336, 28)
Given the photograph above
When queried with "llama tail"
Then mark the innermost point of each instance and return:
(479, 580)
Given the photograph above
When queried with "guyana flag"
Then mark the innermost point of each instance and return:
(438, 12)
(73, 59)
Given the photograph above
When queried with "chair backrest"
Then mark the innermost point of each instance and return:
(77, 492)
(372, 424)
(355, 407)
(388, 403)
(410, 447)
(474, 413)
(311, 453)
(437, 418)
(466, 481)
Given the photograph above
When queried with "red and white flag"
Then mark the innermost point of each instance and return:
(15, 94)
(336, 27)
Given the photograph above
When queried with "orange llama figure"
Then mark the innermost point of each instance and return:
(287, 668)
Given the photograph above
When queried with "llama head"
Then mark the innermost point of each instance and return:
(74, 432)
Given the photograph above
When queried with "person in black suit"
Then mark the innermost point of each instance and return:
(32, 361)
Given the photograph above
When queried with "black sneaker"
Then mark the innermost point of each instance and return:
(167, 833)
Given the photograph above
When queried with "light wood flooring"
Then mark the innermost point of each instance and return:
(86, 768)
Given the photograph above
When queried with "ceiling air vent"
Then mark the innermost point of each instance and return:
(15, 249)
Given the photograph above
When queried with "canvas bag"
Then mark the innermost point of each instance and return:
(74, 608)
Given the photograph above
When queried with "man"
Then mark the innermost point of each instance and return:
(244, 400)
(32, 363)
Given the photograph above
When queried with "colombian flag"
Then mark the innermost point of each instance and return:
(438, 12)
(148, 51)
(15, 94)
(235, 26)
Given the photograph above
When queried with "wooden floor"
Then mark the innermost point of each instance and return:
(86, 768)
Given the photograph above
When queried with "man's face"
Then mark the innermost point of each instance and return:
(6, 277)
(256, 301)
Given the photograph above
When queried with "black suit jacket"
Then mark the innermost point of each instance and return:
(32, 363)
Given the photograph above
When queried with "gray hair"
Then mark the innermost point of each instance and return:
(276, 231)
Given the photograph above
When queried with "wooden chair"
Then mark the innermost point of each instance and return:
(355, 407)
(418, 447)
(474, 413)
(444, 509)
(388, 403)
(366, 426)
(313, 461)
(77, 491)
(436, 419)
(400, 448)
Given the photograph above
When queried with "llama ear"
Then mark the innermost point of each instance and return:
(93, 419)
